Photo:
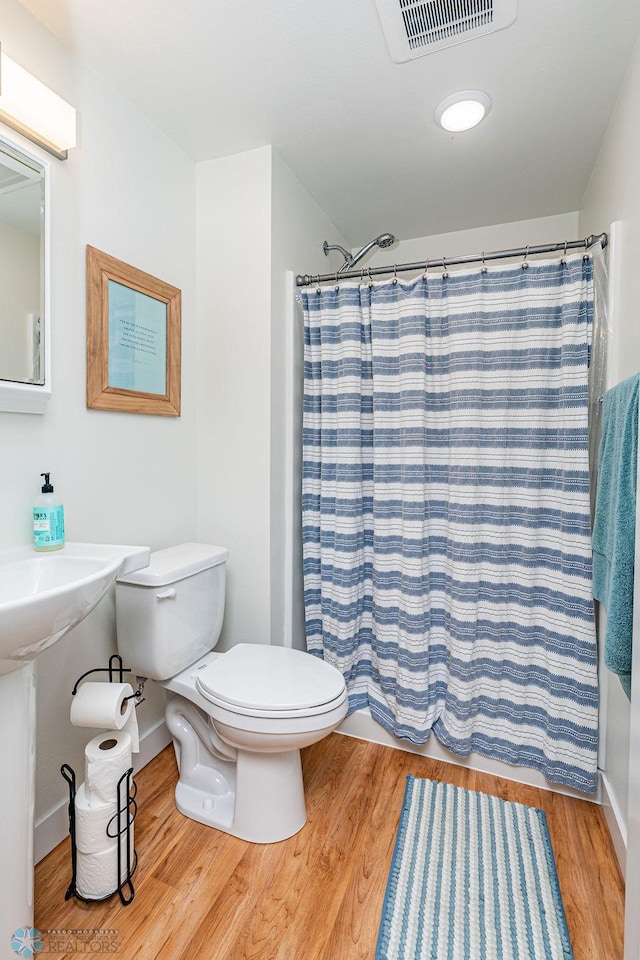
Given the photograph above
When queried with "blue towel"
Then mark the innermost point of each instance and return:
(614, 523)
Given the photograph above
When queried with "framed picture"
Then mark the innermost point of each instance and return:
(133, 339)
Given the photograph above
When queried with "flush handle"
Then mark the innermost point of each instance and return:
(167, 594)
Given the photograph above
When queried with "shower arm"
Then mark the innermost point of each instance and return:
(383, 241)
(348, 259)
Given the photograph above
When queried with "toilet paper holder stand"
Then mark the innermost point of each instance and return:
(120, 824)
(126, 810)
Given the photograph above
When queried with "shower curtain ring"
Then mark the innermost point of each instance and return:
(318, 288)
(445, 272)
(370, 277)
(563, 262)
(484, 267)
(426, 269)
(525, 265)
(395, 273)
(337, 286)
(586, 255)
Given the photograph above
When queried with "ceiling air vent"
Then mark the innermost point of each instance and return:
(414, 28)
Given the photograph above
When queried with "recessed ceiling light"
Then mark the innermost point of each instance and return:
(463, 110)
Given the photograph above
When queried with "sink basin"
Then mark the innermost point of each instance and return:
(43, 595)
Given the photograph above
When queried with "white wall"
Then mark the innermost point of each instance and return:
(255, 224)
(298, 230)
(234, 355)
(613, 195)
(500, 236)
(123, 478)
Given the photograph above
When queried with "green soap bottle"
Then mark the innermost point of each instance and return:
(48, 519)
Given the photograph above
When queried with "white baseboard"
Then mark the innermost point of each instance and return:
(54, 827)
(362, 726)
(615, 822)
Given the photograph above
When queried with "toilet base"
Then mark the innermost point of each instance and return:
(256, 796)
(264, 802)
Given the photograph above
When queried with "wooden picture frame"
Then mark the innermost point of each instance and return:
(133, 339)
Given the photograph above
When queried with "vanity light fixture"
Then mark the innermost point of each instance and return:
(35, 111)
(462, 111)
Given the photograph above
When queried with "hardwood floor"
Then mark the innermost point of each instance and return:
(317, 896)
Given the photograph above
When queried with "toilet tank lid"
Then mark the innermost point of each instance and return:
(176, 563)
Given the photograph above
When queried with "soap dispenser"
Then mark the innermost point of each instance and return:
(48, 519)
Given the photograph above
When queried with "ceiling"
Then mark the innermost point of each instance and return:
(317, 82)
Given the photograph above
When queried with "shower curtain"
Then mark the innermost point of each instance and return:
(446, 527)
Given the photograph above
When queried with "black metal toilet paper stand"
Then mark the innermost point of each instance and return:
(118, 828)
(120, 824)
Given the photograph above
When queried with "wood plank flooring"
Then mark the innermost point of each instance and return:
(317, 896)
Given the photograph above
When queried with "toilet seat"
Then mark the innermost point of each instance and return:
(258, 680)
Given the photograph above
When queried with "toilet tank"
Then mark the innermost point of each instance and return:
(169, 614)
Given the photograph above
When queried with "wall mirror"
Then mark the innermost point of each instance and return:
(25, 378)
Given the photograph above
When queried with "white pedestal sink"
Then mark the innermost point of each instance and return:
(42, 596)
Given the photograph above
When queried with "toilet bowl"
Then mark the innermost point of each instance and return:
(238, 719)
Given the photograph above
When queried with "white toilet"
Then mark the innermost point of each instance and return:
(238, 719)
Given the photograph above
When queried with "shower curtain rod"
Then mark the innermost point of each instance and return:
(305, 280)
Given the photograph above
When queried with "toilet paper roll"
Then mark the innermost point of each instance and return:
(105, 706)
(91, 822)
(97, 873)
(106, 758)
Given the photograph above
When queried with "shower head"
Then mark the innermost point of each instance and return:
(383, 241)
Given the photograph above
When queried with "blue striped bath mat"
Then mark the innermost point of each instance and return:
(472, 878)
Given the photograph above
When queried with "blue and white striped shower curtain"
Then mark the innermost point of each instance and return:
(446, 527)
